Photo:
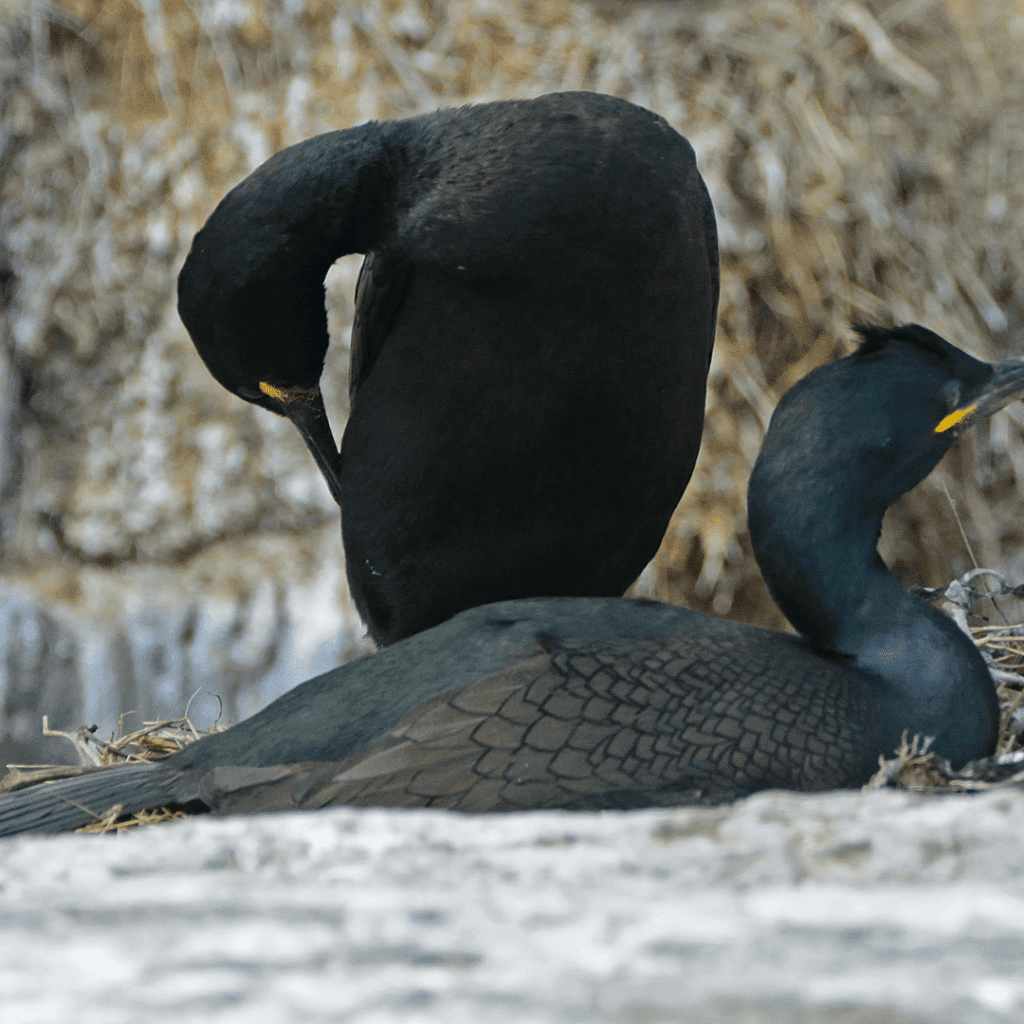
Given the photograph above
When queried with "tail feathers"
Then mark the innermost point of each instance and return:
(71, 803)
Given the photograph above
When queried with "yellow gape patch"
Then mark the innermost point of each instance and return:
(947, 421)
(269, 389)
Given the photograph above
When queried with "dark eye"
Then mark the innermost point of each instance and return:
(950, 394)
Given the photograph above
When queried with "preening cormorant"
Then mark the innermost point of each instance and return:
(533, 329)
(596, 702)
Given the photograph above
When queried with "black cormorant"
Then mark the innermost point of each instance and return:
(596, 702)
(534, 322)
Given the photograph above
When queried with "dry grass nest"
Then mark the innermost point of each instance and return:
(153, 742)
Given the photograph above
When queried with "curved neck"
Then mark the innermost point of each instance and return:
(816, 548)
(251, 291)
(305, 207)
(817, 552)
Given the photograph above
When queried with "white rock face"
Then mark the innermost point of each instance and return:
(137, 643)
(845, 907)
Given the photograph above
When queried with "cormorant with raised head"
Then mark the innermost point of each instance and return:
(533, 329)
(590, 702)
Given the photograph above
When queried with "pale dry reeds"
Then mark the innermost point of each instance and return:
(864, 159)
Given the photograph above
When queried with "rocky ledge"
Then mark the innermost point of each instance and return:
(844, 907)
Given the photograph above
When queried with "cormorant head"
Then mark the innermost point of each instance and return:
(845, 443)
(942, 380)
(875, 423)
(263, 337)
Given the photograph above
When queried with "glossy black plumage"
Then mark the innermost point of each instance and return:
(588, 703)
(534, 322)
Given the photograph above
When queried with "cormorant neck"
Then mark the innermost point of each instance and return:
(816, 547)
(817, 552)
(251, 291)
(313, 202)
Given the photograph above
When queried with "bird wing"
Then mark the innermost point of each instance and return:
(380, 290)
(604, 725)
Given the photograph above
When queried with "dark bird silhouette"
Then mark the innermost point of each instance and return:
(597, 702)
(534, 322)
